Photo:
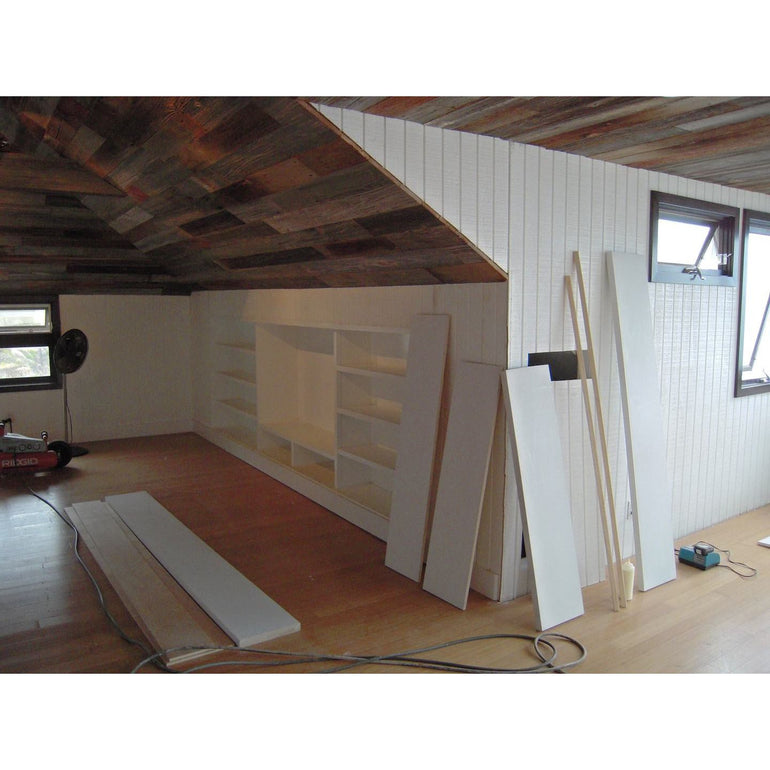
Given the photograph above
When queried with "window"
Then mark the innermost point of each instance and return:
(28, 331)
(692, 241)
(753, 364)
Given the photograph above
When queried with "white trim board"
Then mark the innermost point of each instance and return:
(246, 614)
(463, 480)
(651, 494)
(413, 475)
(543, 493)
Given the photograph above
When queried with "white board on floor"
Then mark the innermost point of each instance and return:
(651, 495)
(462, 482)
(172, 622)
(541, 479)
(246, 614)
(418, 432)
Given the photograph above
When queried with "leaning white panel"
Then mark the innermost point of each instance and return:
(246, 614)
(542, 485)
(463, 479)
(428, 339)
(651, 496)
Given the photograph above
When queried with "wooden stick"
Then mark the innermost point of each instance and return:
(600, 423)
(594, 447)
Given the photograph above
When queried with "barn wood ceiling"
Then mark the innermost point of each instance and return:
(724, 140)
(173, 195)
(178, 194)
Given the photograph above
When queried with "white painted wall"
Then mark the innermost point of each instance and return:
(135, 380)
(529, 209)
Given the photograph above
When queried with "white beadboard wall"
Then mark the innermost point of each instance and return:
(528, 209)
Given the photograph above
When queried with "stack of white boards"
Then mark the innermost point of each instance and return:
(187, 599)
(418, 432)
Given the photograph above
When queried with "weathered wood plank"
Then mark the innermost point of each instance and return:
(22, 172)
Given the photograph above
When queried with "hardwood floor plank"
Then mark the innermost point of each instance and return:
(338, 586)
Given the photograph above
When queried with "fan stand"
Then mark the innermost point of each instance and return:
(77, 451)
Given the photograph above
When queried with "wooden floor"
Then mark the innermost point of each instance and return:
(331, 576)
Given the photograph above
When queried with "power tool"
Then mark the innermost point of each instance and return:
(701, 555)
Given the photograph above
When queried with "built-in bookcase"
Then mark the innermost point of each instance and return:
(318, 406)
(235, 402)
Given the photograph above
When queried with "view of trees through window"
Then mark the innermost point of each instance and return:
(26, 337)
(24, 362)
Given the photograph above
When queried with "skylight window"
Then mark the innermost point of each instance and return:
(692, 241)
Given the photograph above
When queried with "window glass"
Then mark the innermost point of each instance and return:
(24, 362)
(692, 241)
(28, 333)
(753, 370)
(32, 318)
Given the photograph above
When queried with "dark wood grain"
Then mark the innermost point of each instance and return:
(200, 185)
(211, 191)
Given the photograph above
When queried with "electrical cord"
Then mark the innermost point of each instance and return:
(408, 659)
(100, 596)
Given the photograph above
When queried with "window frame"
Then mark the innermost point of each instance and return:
(747, 389)
(698, 212)
(19, 339)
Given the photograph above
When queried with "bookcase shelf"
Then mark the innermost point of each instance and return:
(319, 406)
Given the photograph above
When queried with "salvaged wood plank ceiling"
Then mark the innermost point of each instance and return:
(174, 195)
(179, 194)
(724, 140)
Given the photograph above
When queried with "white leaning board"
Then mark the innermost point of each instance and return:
(428, 338)
(651, 496)
(543, 493)
(463, 479)
(246, 614)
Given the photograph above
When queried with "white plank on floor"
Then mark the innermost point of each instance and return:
(413, 475)
(462, 482)
(246, 614)
(165, 613)
(541, 479)
(651, 493)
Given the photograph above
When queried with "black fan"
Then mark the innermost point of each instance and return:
(69, 353)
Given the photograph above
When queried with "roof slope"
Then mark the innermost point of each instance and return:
(177, 194)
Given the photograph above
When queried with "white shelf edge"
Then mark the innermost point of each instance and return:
(305, 435)
(239, 376)
(359, 454)
(369, 414)
(372, 371)
(241, 406)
